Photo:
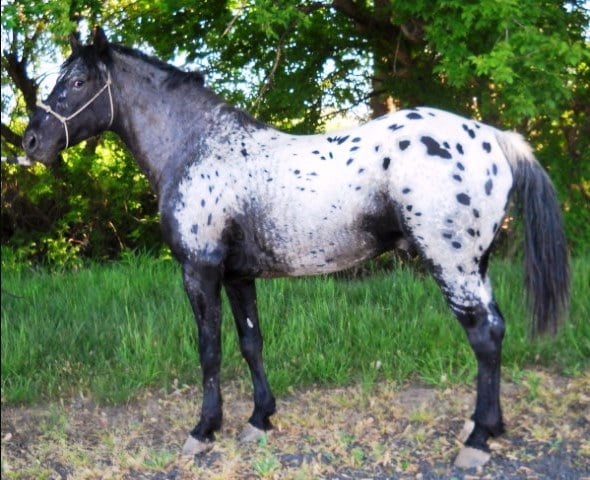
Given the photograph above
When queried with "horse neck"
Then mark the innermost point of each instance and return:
(158, 123)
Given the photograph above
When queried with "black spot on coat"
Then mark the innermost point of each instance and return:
(433, 148)
(386, 162)
(470, 131)
(463, 199)
(404, 144)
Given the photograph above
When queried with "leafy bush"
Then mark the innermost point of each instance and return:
(520, 65)
(95, 203)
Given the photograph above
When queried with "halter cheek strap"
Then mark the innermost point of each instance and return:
(64, 120)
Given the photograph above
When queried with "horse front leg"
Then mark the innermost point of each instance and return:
(242, 298)
(203, 285)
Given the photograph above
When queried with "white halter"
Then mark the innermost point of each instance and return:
(64, 120)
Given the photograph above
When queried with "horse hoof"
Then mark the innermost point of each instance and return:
(468, 427)
(470, 457)
(251, 434)
(193, 447)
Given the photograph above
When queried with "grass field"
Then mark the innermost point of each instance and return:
(110, 331)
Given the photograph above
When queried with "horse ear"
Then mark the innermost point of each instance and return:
(99, 40)
(74, 41)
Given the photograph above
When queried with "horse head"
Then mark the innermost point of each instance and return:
(79, 106)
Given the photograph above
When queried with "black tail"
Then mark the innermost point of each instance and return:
(546, 260)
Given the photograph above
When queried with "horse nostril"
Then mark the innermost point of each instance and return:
(30, 142)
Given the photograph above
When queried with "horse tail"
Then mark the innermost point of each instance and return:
(546, 259)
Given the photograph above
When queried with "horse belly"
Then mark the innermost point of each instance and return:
(330, 253)
(321, 216)
(310, 242)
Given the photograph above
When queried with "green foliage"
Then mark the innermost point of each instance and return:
(514, 64)
(94, 205)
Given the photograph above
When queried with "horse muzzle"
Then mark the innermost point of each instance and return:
(38, 150)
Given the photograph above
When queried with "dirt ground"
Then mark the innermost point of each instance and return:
(379, 432)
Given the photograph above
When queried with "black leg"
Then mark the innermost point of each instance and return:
(242, 298)
(203, 286)
(484, 327)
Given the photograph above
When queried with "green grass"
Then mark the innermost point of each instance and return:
(110, 331)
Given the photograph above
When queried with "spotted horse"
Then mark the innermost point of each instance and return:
(240, 200)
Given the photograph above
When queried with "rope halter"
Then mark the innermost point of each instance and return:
(64, 120)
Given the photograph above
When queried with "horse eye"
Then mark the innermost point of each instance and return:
(78, 83)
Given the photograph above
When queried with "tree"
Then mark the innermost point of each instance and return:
(522, 65)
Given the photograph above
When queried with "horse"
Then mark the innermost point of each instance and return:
(240, 200)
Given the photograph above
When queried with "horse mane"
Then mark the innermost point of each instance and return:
(176, 76)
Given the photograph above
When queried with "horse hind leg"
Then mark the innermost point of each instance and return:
(484, 326)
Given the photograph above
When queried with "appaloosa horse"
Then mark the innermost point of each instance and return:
(240, 200)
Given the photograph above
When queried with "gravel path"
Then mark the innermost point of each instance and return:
(382, 432)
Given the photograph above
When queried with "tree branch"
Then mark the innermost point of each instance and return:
(270, 77)
(17, 70)
(11, 137)
(353, 11)
(378, 22)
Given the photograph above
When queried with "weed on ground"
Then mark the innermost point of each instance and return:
(386, 431)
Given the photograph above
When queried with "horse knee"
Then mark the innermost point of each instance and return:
(485, 340)
(484, 327)
(251, 346)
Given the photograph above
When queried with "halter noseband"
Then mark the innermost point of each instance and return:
(64, 120)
